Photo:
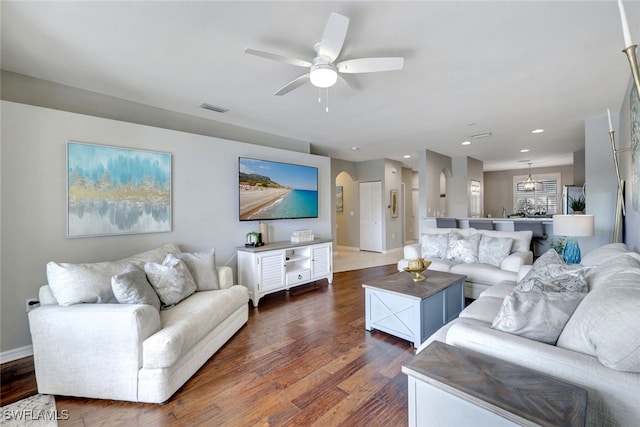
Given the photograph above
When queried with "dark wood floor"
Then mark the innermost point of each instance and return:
(304, 358)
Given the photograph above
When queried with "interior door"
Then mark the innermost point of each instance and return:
(371, 216)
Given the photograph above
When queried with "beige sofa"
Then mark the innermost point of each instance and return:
(598, 348)
(135, 352)
(480, 275)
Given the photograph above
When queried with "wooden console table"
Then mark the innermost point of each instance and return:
(453, 386)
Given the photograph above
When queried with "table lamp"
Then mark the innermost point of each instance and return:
(572, 226)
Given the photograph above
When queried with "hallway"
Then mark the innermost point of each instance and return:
(346, 259)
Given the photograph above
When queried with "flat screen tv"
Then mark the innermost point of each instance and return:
(273, 190)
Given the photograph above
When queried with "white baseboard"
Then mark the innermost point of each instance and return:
(347, 248)
(16, 353)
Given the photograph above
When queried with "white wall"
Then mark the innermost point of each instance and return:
(205, 199)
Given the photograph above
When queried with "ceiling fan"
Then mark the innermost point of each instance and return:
(323, 70)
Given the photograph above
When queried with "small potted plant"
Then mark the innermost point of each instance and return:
(577, 204)
(557, 245)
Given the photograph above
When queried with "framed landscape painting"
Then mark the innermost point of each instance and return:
(113, 190)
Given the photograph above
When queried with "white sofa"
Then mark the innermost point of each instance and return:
(131, 352)
(598, 349)
(480, 276)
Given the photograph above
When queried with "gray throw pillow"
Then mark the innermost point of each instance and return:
(434, 245)
(540, 316)
(550, 273)
(132, 287)
(171, 280)
(202, 266)
(463, 249)
(493, 250)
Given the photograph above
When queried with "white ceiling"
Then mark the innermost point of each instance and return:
(507, 66)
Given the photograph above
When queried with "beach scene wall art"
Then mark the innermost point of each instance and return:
(274, 190)
(113, 190)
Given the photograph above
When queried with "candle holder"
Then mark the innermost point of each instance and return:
(630, 51)
(620, 209)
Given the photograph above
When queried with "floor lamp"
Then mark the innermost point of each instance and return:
(572, 226)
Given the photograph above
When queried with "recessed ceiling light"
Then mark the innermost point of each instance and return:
(354, 148)
(407, 156)
(524, 150)
(466, 143)
(537, 131)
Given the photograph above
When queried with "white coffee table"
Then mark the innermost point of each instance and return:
(411, 310)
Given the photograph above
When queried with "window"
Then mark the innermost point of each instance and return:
(543, 200)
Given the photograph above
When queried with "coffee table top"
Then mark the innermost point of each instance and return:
(519, 394)
(402, 283)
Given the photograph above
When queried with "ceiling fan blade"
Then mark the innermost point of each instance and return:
(333, 36)
(293, 85)
(370, 65)
(281, 58)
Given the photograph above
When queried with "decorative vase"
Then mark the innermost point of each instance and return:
(416, 267)
(571, 254)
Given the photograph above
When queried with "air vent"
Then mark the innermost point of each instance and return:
(481, 135)
(213, 108)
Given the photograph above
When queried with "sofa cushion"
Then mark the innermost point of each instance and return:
(483, 273)
(483, 309)
(521, 239)
(604, 254)
(463, 248)
(202, 266)
(171, 280)
(188, 322)
(500, 290)
(537, 315)
(82, 283)
(550, 273)
(441, 265)
(493, 250)
(132, 287)
(606, 323)
(434, 245)
(91, 282)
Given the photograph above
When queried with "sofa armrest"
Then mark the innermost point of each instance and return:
(612, 394)
(91, 350)
(412, 251)
(514, 261)
(523, 271)
(225, 277)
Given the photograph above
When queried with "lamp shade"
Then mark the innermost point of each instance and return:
(573, 225)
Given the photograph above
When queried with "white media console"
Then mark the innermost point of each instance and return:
(283, 265)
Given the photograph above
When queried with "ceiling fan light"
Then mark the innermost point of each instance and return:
(323, 76)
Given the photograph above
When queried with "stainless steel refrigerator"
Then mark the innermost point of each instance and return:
(571, 192)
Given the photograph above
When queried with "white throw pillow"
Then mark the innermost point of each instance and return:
(540, 316)
(463, 249)
(550, 273)
(132, 287)
(171, 280)
(493, 250)
(82, 283)
(202, 266)
(606, 324)
(434, 245)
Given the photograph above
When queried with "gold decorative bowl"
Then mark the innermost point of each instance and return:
(416, 267)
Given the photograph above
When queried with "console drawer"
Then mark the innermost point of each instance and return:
(298, 276)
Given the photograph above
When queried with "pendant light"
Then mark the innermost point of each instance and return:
(530, 184)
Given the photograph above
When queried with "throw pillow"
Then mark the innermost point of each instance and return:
(493, 250)
(171, 280)
(82, 283)
(463, 249)
(606, 325)
(132, 287)
(550, 273)
(202, 266)
(434, 245)
(536, 315)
